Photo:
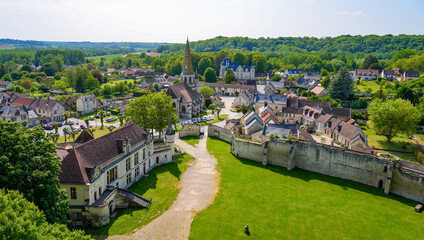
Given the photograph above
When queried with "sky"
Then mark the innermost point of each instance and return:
(175, 20)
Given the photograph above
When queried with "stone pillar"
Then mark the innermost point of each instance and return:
(265, 153)
(291, 163)
(388, 178)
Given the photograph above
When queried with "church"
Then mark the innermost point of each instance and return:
(186, 99)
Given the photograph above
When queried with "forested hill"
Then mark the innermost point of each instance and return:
(80, 45)
(384, 47)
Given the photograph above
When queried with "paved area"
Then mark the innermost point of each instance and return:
(199, 185)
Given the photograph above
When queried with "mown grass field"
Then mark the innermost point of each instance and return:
(107, 57)
(161, 185)
(298, 204)
(369, 84)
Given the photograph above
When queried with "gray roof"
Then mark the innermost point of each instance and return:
(271, 98)
(9, 111)
(280, 129)
(276, 85)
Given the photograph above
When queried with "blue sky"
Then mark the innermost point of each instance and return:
(174, 20)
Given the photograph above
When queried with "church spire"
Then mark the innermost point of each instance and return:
(188, 65)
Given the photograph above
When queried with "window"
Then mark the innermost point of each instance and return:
(73, 193)
(144, 153)
(128, 164)
(100, 191)
(137, 171)
(112, 174)
(129, 178)
(136, 159)
(95, 195)
(317, 154)
(157, 160)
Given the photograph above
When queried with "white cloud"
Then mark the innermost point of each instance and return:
(351, 13)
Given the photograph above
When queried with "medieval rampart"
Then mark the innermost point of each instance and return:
(402, 178)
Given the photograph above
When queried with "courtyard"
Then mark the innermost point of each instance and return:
(298, 204)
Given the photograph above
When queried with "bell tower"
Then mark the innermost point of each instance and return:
(187, 75)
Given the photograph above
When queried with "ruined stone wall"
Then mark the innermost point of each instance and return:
(190, 130)
(338, 162)
(219, 132)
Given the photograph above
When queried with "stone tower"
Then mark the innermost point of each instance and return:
(169, 135)
(188, 75)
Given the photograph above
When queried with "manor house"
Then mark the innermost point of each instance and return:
(240, 72)
(97, 173)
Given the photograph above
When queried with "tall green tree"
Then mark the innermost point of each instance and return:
(393, 117)
(28, 163)
(205, 63)
(371, 59)
(152, 111)
(341, 86)
(21, 219)
(210, 75)
(239, 58)
(261, 63)
(206, 91)
(229, 76)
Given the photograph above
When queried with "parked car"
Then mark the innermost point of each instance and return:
(83, 126)
(204, 119)
(189, 121)
(48, 127)
(97, 116)
(51, 124)
(111, 119)
(194, 120)
(91, 118)
(108, 114)
(77, 129)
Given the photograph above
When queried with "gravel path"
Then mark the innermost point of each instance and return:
(199, 185)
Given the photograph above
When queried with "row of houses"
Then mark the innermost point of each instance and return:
(35, 109)
(391, 74)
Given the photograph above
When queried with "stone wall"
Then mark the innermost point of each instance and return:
(220, 133)
(392, 176)
(190, 130)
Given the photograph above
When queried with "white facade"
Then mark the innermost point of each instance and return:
(86, 104)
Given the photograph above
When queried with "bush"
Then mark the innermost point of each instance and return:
(115, 111)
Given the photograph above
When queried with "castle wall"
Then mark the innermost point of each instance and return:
(190, 130)
(360, 167)
(220, 133)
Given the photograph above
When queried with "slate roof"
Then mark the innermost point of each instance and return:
(183, 92)
(280, 129)
(291, 110)
(294, 71)
(78, 165)
(271, 98)
(225, 85)
(300, 103)
(9, 111)
(227, 63)
(338, 112)
(323, 118)
(276, 85)
(412, 74)
(389, 72)
(306, 135)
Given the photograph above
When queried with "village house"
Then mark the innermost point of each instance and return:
(96, 173)
(268, 115)
(275, 101)
(312, 76)
(408, 75)
(251, 123)
(240, 72)
(290, 115)
(233, 126)
(279, 131)
(87, 104)
(13, 113)
(347, 134)
(5, 99)
(245, 98)
(229, 89)
(4, 85)
(273, 87)
(366, 74)
(309, 116)
(49, 110)
(292, 72)
(389, 74)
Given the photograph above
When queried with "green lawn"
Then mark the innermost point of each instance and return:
(298, 204)
(369, 84)
(221, 118)
(398, 143)
(192, 140)
(98, 133)
(161, 185)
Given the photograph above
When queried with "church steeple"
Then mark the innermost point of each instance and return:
(188, 65)
(187, 74)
